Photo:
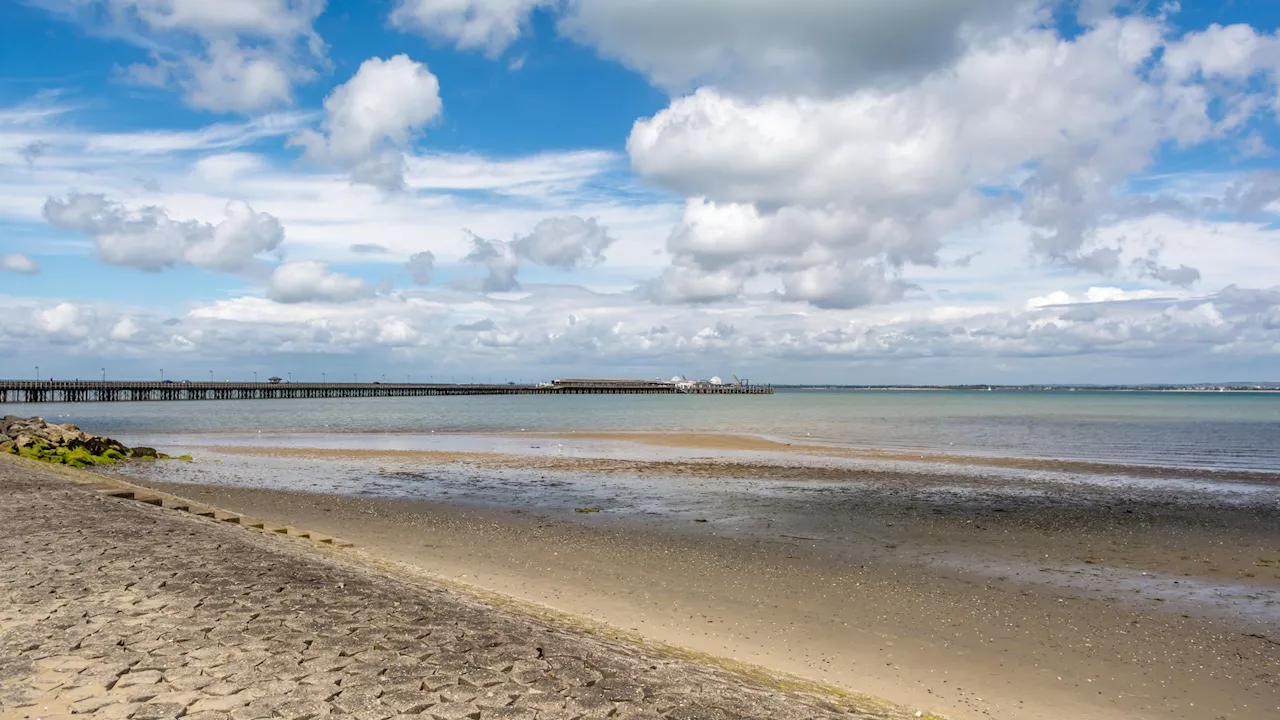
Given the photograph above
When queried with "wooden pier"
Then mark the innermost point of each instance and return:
(19, 391)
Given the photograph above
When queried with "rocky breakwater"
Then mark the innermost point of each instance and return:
(66, 444)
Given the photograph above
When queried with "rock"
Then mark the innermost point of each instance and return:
(64, 444)
(26, 441)
(102, 445)
(70, 432)
(78, 457)
(587, 509)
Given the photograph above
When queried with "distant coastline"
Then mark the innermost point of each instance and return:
(1269, 387)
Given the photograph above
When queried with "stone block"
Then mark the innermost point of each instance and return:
(297, 709)
(508, 713)
(454, 711)
(219, 704)
(408, 701)
(145, 677)
(159, 711)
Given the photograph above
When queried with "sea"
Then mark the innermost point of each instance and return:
(1237, 431)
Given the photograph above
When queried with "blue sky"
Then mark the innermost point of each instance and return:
(828, 190)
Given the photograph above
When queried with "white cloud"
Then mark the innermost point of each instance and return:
(223, 136)
(843, 285)
(234, 242)
(899, 213)
(565, 242)
(65, 322)
(227, 56)
(679, 284)
(192, 173)
(421, 266)
(310, 281)
(802, 46)
(1099, 294)
(830, 192)
(533, 176)
(1232, 52)
(148, 239)
(261, 18)
(370, 120)
(499, 261)
(236, 79)
(486, 25)
(18, 263)
(126, 328)
(557, 327)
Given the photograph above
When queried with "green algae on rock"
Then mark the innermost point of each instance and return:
(65, 444)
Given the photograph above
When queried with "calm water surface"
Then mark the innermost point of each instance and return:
(1208, 430)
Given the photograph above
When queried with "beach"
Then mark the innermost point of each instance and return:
(971, 587)
(117, 603)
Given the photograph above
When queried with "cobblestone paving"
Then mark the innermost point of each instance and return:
(116, 609)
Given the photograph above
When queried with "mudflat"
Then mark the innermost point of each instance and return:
(972, 595)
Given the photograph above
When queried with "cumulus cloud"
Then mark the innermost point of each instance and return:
(232, 78)
(833, 189)
(1232, 52)
(486, 25)
(843, 285)
(228, 56)
(680, 284)
(65, 323)
(565, 242)
(421, 267)
(18, 263)
(148, 239)
(311, 281)
(499, 261)
(759, 46)
(125, 329)
(370, 120)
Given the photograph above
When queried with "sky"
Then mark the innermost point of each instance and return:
(834, 191)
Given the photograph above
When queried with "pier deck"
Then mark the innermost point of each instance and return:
(16, 391)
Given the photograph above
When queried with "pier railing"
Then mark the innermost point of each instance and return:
(12, 391)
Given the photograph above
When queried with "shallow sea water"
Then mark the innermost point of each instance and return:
(1230, 431)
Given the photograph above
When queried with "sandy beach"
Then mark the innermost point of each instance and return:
(988, 592)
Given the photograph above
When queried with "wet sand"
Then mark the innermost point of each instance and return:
(973, 595)
(705, 453)
(729, 442)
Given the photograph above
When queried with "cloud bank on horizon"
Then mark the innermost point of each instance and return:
(857, 191)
